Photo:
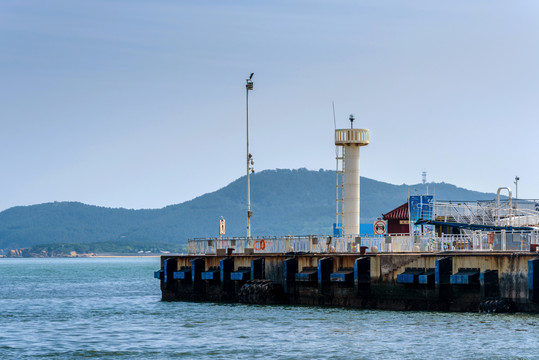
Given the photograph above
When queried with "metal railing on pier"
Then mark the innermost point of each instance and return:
(476, 241)
(513, 213)
(273, 244)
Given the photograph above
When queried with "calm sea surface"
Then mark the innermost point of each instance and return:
(110, 308)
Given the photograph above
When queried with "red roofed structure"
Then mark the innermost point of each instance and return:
(398, 220)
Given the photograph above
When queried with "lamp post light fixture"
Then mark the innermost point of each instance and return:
(516, 186)
(250, 161)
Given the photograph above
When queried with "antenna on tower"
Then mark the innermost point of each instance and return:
(351, 118)
(424, 177)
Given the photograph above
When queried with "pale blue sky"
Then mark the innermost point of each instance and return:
(141, 104)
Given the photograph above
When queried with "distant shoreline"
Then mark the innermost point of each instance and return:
(126, 255)
(81, 256)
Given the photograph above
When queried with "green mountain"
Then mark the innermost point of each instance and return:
(284, 202)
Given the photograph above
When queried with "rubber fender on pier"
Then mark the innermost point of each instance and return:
(184, 273)
(497, 305)
(290, 269)
(489, 284)
(159, 274)
(362, 275)
(488, 277)
(211, 275)
(362, 270)
(465, 276)
(307, 274)
(198, 265)
(533, 279)
(443, 270)
(169, 267)
(226, 266)
(258, 268)
(166, 273)
(242, 274)
(260, 292)
(427, 278)
(345, 276)
(325, 268)
(409, 276)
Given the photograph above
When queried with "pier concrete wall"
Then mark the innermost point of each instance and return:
(400, 281)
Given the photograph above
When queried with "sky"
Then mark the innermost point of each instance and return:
(141, 104)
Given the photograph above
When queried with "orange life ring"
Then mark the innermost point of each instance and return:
(257, 245)
(262, 244)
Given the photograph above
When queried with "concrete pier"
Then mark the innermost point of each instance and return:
(447, 281)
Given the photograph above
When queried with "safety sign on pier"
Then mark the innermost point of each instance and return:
(380, 227)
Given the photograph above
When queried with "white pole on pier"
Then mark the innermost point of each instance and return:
(248, 86)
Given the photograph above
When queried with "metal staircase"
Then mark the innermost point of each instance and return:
(487, 213)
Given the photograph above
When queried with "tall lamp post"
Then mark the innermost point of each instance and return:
(516, 190)
(250, 161)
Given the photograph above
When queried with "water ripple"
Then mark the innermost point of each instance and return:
(110, 309)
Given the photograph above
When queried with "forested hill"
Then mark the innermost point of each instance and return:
(294, 202)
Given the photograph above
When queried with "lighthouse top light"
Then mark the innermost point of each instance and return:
(358, 137)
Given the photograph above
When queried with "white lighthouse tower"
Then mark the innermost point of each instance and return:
(348, 142)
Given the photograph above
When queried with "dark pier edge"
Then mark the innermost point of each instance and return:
(449, 281)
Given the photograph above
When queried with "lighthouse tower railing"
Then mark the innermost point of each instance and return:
(351, 136)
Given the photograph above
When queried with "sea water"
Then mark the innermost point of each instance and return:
(110, 308)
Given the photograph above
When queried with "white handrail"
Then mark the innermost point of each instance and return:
(476, 241)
